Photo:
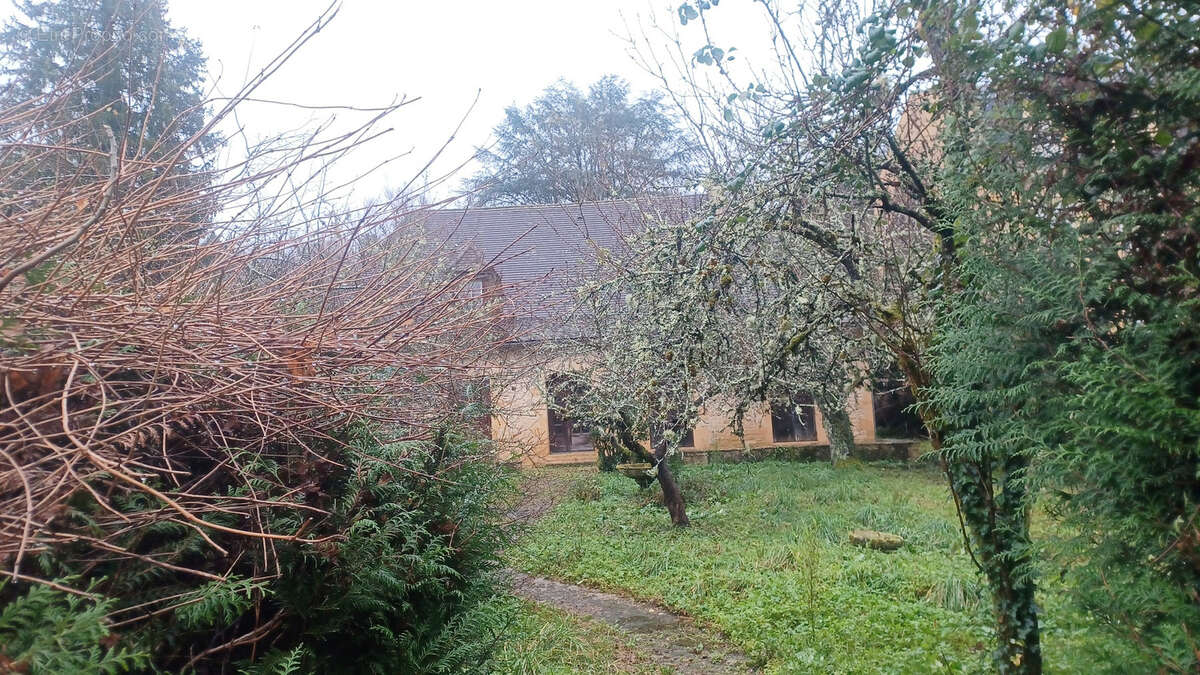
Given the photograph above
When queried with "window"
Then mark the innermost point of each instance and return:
(794, 421)
(894, 417)
(566, 435)
(687, 437)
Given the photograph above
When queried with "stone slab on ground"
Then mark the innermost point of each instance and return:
(880, 541)
(672, 641)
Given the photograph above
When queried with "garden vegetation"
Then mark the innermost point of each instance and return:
(1001, 200)
(234, 411)
(768, 566)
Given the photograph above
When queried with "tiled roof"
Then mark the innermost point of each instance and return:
(536, 244)
(542, 252)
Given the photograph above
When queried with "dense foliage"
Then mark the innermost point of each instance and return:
(408, 589)
(1002, 197)
(242, 447)
(145, 76)
(403, 580)
(1077, 296)
(47, 630)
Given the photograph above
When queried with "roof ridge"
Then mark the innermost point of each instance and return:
(562, 205)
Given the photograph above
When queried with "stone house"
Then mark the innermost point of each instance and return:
(533, 255)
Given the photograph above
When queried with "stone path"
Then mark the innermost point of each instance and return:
(671, 641)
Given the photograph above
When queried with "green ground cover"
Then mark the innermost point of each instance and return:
(768, 561)
(546, 641)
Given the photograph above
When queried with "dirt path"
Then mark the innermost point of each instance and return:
(668, 640)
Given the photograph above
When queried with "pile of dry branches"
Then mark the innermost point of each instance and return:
(162, 327)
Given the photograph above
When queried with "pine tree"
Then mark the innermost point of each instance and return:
(120, 63)
(96, 70)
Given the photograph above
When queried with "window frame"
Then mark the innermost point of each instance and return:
(801, 420)
(687, 436)
(560, 427)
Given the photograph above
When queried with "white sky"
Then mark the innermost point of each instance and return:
(443, 52)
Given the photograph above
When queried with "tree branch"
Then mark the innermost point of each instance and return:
(109, 189)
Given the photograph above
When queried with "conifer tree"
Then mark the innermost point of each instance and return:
(122, 65)
(1073, 343)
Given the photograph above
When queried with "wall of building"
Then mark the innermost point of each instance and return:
(520, 425)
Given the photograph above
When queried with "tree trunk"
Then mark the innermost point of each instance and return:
(672, 497)
(997, 516)
(993, 508)
(1019, 648)
(839, 431)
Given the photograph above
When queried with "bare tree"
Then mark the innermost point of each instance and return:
(836, 149)
(138, 366)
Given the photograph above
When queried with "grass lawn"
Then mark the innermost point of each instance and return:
(542, 640)
(767, 560)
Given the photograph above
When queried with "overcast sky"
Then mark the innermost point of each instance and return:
(444, 52)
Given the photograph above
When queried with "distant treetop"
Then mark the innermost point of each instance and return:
(141, 76)
(571, 146)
